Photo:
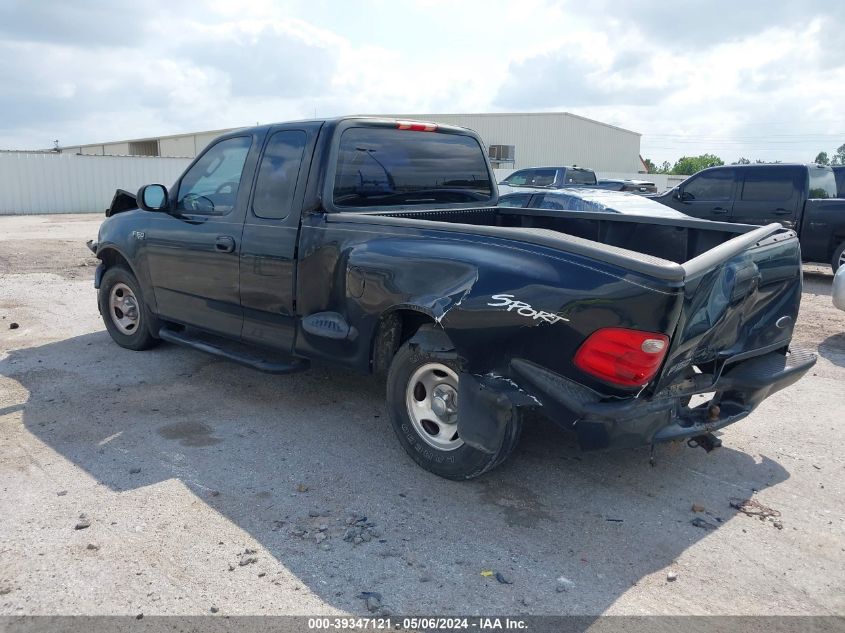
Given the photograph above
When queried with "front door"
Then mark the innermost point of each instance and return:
(268, 246)
(193, 252)
(708, 195)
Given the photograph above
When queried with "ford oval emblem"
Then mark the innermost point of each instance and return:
(783, 322)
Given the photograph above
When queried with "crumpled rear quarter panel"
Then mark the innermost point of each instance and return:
(453, 278)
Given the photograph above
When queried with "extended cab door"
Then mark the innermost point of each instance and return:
(708, 195)
(270, 235)
(768, 193)
(193, 253)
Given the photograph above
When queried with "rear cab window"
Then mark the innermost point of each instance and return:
(385, 166)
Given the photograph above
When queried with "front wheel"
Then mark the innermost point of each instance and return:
(422, 400)
(125, 315)
(838, 257)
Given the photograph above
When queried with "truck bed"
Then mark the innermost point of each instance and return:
(670, 248)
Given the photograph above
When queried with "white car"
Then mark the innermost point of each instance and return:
(839, 288)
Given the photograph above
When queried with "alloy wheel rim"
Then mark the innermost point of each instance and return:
(123, 309)
(432, 401)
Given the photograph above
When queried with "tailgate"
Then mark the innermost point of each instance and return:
(740, 299)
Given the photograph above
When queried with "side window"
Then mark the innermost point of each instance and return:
(532, 178)
(768, 185)
(551, 203)
(579, 177)
(211, 185)
(278, 174)
(713, 185)
(514, 200)
(519, 178)
(542, 177)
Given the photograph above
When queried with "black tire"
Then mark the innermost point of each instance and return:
(460, 463)
(139, 336)
(838, 257)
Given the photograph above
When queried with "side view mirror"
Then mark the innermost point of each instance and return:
(680, 195)
(152, 198)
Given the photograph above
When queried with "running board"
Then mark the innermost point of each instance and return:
(291, 366)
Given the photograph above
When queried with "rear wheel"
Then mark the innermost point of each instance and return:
(838, 257)
(125, 314)
(422, 400)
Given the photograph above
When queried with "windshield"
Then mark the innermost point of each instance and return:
(386, 166)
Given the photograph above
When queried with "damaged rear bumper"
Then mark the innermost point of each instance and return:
(601, 423)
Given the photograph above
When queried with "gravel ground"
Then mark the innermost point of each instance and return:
(169, 482)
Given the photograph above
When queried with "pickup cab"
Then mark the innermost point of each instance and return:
(801, 197)
(377, 245)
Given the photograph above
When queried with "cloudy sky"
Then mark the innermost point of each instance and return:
(736, 78)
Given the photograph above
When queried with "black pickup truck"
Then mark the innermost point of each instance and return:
(802, 197)
(377, 245)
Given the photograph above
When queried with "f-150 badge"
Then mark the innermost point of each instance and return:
(524, 309)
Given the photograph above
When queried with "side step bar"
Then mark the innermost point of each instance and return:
(293, 366)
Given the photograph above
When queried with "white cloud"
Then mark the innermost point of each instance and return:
(734, 79)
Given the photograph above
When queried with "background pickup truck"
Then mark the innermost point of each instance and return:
(803, 197)
(377, 245)
(551, 177)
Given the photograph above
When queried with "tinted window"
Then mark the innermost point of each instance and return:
(839, 172)
(712, 185)
(579, 177)
(385, 166)
(822, 182)
(211, 185)
(532, 178)
(278, 174)
(551, 203)
(514, 200)
(768, 184)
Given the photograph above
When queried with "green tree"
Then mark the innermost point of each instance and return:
(822, 159)
(689, 165)
(649, 166)
(742, 161)
(665, 167)
(839, 156)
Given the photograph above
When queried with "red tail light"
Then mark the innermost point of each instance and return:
(624, 357)
(415, 126)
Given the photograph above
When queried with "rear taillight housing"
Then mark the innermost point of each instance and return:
(629, 358)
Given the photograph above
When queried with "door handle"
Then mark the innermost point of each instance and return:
(225, 244)
(782, 211)
(719, 210)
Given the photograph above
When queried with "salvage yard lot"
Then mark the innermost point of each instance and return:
(206, 485)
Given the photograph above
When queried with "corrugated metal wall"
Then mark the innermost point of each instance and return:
(47, 182)
(552, 138)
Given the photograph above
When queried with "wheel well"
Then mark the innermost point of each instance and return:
(393, 330)
(111, 257)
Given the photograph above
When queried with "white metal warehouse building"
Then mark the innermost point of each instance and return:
(514, 140)
(82, 178)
